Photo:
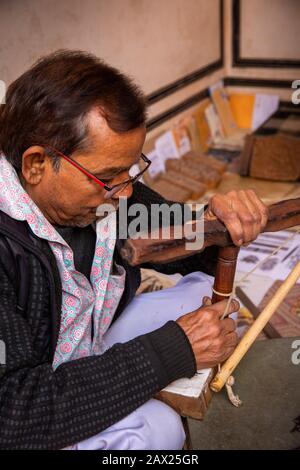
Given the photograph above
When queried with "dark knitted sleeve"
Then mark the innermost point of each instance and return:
(204, 261)
(45, 409)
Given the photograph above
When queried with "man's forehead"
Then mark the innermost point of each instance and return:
(111, 151)
(101, 162)
(102, 134)
(114, 169)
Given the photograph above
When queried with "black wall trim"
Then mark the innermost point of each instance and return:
(289, 104)
(239, 61)
(259, 82)
(183, 82)
(179, 108)
(197, 74)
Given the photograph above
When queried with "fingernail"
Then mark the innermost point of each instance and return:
(206, 301)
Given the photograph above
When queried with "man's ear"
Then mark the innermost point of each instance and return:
(34, 161)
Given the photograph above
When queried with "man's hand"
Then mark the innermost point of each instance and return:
(242, 212)
(212, 339)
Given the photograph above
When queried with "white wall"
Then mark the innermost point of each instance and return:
(270, 29)
(156, 41)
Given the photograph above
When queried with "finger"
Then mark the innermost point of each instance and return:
(235, 228)
(252, 218)
(231, 340)
(219, 307)
(259, 210)
(264, 211)
(228, 352)
(228, 325)
(206, 301)
(209, 214)
(248, 218)
(232, 222)
(225, 210)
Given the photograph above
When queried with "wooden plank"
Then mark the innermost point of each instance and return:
(282, 215)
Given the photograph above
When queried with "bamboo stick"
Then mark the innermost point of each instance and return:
(227, 368)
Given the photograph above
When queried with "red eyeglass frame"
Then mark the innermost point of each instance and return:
(111, 190)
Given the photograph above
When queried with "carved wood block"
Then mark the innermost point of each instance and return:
(212, 162)
(196, 170)
(171, 191)
(275, 157)
(194, 403)
(196, 187)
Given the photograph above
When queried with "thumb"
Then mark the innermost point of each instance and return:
(206, 301)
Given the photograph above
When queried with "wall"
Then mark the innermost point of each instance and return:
(171, 47)
(268, 42)
(270, 29)
(156, 42)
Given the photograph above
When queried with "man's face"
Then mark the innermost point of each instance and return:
(70, 198)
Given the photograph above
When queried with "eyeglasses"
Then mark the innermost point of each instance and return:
(135, 172)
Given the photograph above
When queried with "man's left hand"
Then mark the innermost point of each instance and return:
(242, 212)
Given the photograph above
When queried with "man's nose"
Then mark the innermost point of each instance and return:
(126, 191)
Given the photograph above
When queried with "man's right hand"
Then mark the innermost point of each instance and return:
(213, 340)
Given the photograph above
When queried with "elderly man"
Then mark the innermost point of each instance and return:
(84, 356)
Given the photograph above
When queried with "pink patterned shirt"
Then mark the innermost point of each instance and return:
(83, 303)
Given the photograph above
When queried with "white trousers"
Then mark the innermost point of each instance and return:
(154, 425)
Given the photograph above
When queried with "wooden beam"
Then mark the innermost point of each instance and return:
(155, 249)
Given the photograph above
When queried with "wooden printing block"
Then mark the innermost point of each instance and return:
(171, 191)
(214, 163)
(246, 156)
(189, 401)
(195, 170)
(196, 187)
(275, 157)
(218, 165)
